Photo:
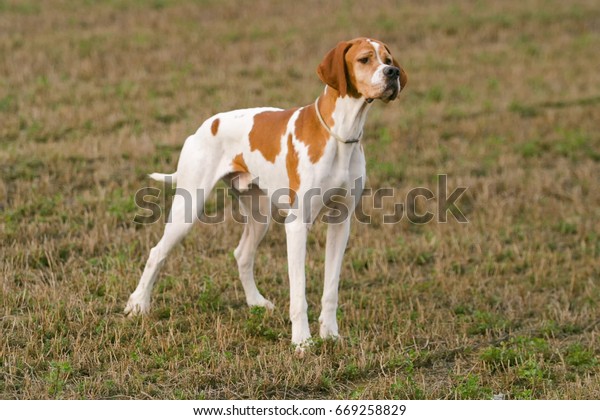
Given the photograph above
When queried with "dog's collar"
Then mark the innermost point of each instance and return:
(331, 133)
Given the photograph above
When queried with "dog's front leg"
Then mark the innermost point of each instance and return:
(296, 233)
(337, 238)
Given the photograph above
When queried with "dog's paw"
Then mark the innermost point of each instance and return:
(263, 303)
(300, 352)
(302, 348)
(136, 306)
(328, 330)
(301, 339)
(330, 336)
(268, 305)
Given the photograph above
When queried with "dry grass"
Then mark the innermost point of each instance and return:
(503, 97)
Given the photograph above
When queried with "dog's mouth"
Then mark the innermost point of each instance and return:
(390, 93)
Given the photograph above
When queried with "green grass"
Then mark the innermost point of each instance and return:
(95, 97)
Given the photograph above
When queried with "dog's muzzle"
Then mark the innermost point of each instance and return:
(392, 75)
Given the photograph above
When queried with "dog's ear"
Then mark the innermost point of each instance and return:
(403, 76)
(332, 70)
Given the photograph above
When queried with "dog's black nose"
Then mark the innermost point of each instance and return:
(391, 72)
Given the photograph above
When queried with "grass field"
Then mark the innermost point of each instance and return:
(503, 97)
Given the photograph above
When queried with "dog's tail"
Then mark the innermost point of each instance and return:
(166, 178)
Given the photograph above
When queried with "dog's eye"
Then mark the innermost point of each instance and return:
(388, 61)
(364, 60)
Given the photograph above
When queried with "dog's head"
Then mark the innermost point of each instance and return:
(364, 68)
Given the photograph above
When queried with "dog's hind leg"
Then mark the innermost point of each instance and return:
(255, 207)
(188, 203)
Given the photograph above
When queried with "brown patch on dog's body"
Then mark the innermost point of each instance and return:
(214, 127)
(291, 164)
(238, 164)
(267, 131)
(310, 132)
(240, 176)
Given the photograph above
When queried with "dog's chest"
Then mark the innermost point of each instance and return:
(345, 164)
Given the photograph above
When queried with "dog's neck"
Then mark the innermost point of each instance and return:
(346, 115)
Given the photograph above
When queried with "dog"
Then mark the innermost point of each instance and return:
(305, 151)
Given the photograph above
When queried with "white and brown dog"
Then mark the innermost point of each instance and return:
(306, 151)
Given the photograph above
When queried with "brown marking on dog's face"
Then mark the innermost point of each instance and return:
(267, 131)
(214, 127)
(291, 164)
(310, 132)
(355, 68)
(238, 164)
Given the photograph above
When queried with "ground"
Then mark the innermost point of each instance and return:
(503, 98)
